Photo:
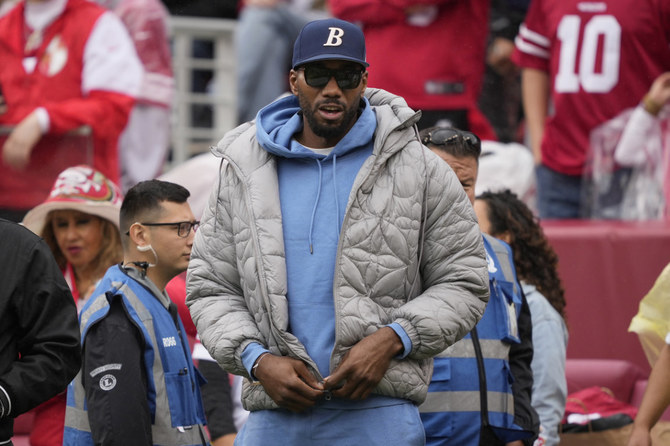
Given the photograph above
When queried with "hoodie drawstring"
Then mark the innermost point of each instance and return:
(337, 204)
(316, 203)
(318, 196)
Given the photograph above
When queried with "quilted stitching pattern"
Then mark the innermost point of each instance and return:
(237, 275)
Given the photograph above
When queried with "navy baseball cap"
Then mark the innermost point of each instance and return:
(329, 39)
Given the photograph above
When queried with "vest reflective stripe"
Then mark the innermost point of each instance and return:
(162, 431)
(97, 305)
(466, 401)
(78, 417)
(491, 349)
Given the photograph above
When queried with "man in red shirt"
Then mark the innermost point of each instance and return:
(431, 53)
(590, 60)
(65, 64)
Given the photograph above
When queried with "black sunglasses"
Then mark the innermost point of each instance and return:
(441, 137)
(318, 77)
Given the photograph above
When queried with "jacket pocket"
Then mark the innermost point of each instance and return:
(181, 398)
(441, 370)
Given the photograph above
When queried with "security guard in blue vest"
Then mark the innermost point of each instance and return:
(480, 391)
(138, 385)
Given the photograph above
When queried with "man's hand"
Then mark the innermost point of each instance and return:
(288, 381)
(658, 95)
(499, 56)
(364, 365)
(19, 145)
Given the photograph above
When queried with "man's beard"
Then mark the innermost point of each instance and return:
(335, 131)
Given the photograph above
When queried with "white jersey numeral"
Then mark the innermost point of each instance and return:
(568, 79)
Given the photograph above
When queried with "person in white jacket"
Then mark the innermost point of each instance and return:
(629, 155)
(645, 141)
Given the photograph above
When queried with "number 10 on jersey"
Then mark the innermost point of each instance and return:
(574, 72)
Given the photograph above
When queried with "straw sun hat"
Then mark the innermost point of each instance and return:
(79, 188)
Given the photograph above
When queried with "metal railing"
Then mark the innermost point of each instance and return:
(187, 138)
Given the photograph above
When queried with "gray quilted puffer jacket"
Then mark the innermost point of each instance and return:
(410, 252)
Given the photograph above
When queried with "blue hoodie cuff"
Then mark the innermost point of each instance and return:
(250, 355)
(406, 341)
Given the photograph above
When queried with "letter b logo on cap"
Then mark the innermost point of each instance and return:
(325, 40)
(335, 37)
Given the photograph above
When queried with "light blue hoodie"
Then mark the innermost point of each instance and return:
(313, 190)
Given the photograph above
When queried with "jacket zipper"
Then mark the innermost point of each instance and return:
(261, 275)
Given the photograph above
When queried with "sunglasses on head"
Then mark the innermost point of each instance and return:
(442, 137)
(318, 77)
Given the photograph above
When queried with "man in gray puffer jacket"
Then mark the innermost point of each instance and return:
(336, 257)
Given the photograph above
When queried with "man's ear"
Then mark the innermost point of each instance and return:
(364, 82)
(293, 81)
(139, 235)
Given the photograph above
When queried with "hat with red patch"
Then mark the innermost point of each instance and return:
(79, 188)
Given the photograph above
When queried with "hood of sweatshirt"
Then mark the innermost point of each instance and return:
(278, 122)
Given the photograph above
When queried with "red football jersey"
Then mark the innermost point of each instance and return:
(81, 77)
(601, 57)
(438, 65)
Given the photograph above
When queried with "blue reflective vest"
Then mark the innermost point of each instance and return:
(170, 373)
(451, 412)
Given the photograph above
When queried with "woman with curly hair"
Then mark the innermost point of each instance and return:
(503, 215)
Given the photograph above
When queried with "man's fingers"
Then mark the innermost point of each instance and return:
(298, 396)
(361, 392)
(353, 392)
(334, 381)
(345, 391)
(307, 376)
(337, 379)
(306, 391)
(288, 382)
(355, 389)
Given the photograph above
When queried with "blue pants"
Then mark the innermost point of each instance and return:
(561, 196)
(558, 195)
(396, 425)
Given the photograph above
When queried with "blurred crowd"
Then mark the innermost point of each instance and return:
(544, 109)
(571, 148)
